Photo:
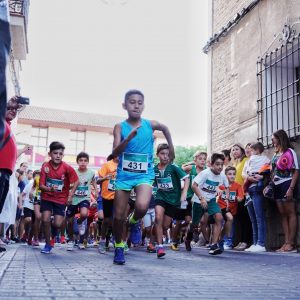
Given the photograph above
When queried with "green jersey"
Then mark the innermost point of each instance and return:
(168, 183)
(83, 191)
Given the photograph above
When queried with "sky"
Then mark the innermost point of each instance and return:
(84, 56)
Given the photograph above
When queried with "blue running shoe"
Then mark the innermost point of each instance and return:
(119, 258)
(47, 249)
(135, 233)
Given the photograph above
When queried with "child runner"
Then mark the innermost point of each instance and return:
(55, 180)
(169, 195)
(133, 143)
(236, 195)
(194, 169)
(107, 178)
(81, 199)
(37, 207)
(205, 187)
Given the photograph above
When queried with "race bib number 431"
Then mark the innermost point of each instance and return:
(82, 191)
(135, 163)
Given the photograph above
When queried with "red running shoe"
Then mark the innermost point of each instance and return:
(160, 251)
(62, 239)
(52, 243)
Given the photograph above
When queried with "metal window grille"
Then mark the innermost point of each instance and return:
(278, 104)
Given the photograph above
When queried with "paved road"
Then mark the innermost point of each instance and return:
(27, 274)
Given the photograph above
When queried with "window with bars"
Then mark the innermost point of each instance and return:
(77, 142)
(39, 139)
(278, 104)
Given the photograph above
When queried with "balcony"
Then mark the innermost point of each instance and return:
(18, 10)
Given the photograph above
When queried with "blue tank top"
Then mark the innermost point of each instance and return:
(137, 158)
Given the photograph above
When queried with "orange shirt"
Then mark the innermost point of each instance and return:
(108, 186)
(235, 192)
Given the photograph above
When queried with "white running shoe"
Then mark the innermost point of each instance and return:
(81, 246)
(70, 246)
(250, 248)
(81, 228)
(258, 248)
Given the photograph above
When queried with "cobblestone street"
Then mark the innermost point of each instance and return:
(27, 274)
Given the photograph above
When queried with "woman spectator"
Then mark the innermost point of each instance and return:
(242, 223)
(285, 171)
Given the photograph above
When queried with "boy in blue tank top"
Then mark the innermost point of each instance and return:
(133, 144)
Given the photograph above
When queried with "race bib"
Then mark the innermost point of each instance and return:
(135, 163)
(210, 186)
(56, 183)
(164, 183)
(82, 191)
(111, 185)
(232, 196)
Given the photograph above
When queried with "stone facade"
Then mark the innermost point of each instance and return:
(233, 66)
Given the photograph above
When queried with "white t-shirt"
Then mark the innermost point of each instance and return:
(255, 162)
(27, 201)
(4, 10)
(208, 183)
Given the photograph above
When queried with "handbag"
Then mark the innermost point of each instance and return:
(268, 191)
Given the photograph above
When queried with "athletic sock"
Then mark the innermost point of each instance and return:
(119, 245)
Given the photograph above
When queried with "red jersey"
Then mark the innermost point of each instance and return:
(8, 154)
(61, 178)
(235, 192)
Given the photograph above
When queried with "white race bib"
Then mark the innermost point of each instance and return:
(135, 163)
(111, 185)
(82, 191)
(164, 183)
(56, 183)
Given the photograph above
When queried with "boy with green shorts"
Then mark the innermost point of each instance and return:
(81, 200)
(205, 187)
(169, 196)
(133, 144)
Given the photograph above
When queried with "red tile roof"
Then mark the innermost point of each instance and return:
(65, 117)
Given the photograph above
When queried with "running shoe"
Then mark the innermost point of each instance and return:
(135, 233)
(52, 243)
(81, 246)
(85, 243)
(62, 239)
(35, 243)
(174, 247)
(160, 251)
(126, 248)
(102, 247)
(188, 246)
(47, 249)
(70, 246)
(215, 250)
(119, 257)
(228, 244)
(221, 245)
(151, 248)
(81, 228)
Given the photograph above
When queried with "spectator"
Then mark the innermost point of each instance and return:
(242, 223)
(227, 161)
(4, 52)
(285, 172)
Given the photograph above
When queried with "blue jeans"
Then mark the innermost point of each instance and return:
(257, 216)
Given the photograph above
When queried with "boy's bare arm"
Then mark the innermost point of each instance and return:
(165, 130)
(118, 145)
(197, 191)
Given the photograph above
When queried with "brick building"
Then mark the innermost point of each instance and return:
(254, 57)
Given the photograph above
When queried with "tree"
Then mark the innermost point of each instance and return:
(185, 154)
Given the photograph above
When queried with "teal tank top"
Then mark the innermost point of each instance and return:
(137, 159)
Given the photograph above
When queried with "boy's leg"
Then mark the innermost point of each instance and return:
(46, 223)
(143, 197)
(120, 210)
(70, 224)
(159, 219)
(37, 221)
(217, 227)
(228, 225)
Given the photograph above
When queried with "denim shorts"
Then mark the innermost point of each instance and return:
(280, 190)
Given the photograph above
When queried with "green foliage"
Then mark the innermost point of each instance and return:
(185, 154)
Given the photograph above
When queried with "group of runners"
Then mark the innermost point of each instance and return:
(131, 201)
